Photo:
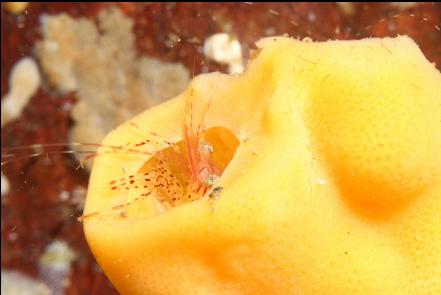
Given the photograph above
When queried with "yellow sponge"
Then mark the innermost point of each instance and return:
(317, 171)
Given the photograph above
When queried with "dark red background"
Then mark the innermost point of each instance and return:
(33, 215)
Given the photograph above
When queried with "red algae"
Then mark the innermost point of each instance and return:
(46, 193)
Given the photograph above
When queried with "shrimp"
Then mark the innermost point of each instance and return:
(184, 171)
(181, 172)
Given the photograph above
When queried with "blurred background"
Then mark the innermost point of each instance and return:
(70, 72)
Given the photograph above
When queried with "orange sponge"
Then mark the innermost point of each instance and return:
(317, 171)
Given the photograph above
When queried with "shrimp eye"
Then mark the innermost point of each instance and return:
(206, 148)
(211, 179)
